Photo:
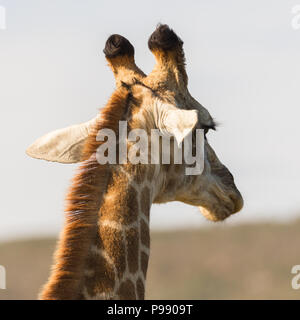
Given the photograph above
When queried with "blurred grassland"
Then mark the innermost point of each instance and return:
(222, 262)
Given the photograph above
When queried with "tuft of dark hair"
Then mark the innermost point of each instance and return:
(117, 45)
(164, 38)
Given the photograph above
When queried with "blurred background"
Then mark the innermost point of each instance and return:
(244, 67)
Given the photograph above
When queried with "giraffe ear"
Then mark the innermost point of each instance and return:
(177, 122)
(62, 145)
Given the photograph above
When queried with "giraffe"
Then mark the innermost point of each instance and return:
(104, 247)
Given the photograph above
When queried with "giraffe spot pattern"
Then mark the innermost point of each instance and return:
(150, 173)
(103, 278)
(123, 208)
(132, 239)
(111, 240)
(144, 263)
(145, 201)
(120, 243)
(127, 291)
(138, 173)
(140, 289)
(145, 237)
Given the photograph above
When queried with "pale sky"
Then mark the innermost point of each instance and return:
(243, 64)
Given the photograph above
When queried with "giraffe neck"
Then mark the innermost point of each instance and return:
(103, 249)
(117, 261)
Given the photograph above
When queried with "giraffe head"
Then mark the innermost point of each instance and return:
(162, 101)
(159, 101)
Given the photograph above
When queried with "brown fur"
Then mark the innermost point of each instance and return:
(103, 278)
(125, 70)
(83, 203)
(127, 291)
(140, 289)
(132, 242)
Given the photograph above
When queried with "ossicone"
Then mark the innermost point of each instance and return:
(117, 45)
(164, 38)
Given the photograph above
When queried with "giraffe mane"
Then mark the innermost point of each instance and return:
(83, 202)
